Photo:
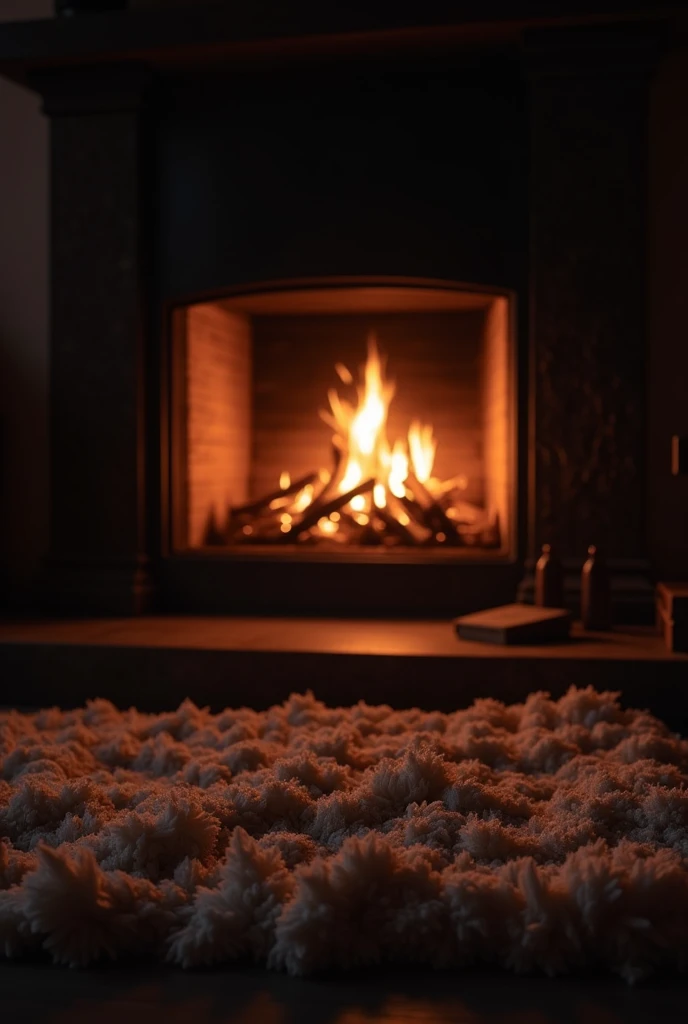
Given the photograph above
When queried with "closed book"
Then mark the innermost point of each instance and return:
(515, 624)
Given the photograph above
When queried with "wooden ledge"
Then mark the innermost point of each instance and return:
(246, 34)
(154, 663)
(393, 637)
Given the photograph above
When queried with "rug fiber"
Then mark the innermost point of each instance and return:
(548, 835)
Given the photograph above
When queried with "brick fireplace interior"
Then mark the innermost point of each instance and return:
(253, 217)
(276, 430)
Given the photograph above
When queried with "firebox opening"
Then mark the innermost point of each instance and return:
(336, 419)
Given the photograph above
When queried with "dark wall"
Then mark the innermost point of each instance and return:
(384, 172)
(23, 331)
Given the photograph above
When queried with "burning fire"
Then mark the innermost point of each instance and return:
(361, 432)
(385, 492)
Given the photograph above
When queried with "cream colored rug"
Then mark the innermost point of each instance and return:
(549, 835)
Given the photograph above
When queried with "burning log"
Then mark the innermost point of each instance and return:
(485, 534)
(255, 508)
(409, 530)
(442, 488)
(435, 516)
(465, 512)
(415, 511)
(320, 509)
(403, 532)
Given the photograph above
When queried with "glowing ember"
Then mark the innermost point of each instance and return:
(303, 498)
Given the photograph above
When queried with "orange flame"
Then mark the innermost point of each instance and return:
(364, 428)
(360, 433)
(369, 455)
(422, 447)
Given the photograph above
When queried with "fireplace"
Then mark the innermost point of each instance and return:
(330, 419)
(264, 234)
(333, 421)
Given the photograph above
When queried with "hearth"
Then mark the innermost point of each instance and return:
(251, 222)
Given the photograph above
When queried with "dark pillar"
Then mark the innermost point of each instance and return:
(587, 312)
(97, 562)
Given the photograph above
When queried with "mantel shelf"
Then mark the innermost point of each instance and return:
(246, 34)
(351, 637)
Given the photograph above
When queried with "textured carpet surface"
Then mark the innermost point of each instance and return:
(547, 835)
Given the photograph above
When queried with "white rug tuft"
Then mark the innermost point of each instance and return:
(547, 835)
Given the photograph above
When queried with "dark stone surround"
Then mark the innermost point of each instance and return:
(99, 545)
(587, 279)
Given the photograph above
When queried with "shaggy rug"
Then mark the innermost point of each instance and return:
(547, 835)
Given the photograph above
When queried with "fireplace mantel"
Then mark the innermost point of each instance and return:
(239, 35)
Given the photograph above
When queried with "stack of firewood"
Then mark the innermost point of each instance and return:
(313, 510)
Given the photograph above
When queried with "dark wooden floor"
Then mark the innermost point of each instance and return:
(145, 995)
